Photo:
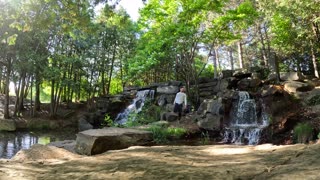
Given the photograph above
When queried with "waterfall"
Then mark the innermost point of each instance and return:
(245, 125)
(135, 106)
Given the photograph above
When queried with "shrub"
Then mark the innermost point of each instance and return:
(150, 113)
(205, 138)
(108, 121)
(302, 132)
(159, 134)
(163, 134)
(176, 132)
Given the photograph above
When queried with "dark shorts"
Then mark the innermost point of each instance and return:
(177, 108)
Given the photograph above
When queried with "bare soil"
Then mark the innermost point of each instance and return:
(168, 162)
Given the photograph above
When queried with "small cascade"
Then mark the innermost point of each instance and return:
(245, 125)
(135, 106)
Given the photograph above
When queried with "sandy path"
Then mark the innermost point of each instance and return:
(170, 162)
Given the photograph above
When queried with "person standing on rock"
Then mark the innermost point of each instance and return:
(180, 102)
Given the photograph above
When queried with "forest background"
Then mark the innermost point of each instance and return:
(62, 51)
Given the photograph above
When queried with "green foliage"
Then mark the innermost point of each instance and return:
(116, 86)
(132, 121)
(302, 132)
(176, 132)
(150, 113)
(159, 134)
(315, 100)
(205, 138)
(283, 67)
(163, 134)
(208, 71)
(108, 121)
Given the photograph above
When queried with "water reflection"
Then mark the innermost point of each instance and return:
(12, 142)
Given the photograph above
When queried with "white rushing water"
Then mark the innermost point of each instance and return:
(245, 126)
(135, 106)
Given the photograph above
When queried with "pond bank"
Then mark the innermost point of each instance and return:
(12, 142)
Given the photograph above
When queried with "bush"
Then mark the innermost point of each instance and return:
(108, 121)
(150, 113)
(162, 134)
(205, 138)
(302, 132)
(159, 134)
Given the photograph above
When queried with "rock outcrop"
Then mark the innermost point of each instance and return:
(97, 141)
(7, 125)
(209, 115)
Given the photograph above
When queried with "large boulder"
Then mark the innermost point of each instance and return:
(97, 141)
(7, 125)
(212, 106)
(210, 122)
(66, 144)
(271, 90)
(209, 114)
(289, 76)
(168, 89)
(249, 83)
(169, 116)
(227, 73)
(295, 86)
(83, 124)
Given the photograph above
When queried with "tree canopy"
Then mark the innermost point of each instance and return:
(78, 54)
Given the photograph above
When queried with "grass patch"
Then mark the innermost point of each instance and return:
(302, 133)
(163, 134)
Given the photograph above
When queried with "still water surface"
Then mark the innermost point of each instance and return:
(12, 142)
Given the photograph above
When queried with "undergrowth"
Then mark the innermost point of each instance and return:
(302, 133)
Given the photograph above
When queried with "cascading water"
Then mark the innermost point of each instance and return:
(245, 126)
(135, 106)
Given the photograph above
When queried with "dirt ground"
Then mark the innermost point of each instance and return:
(168, 162)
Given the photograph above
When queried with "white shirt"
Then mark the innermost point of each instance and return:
(181, 98)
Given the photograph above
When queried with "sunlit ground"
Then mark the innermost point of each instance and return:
(173, 162)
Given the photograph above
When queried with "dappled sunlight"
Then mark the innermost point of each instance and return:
(169, 162)
(227, 151)
(268, 147)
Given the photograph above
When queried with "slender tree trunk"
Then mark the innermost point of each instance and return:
(7, 91)
(274, 66)
(52, 101)
(263, 47)
(215, 67)
(231, 58)
(218, 60)
(37, 95)
(314, 61)
(111, 69)
(31, 99)
(21, 99)
(299, 68)
(17, 90)
(1, 86)
(267, 41)
(240, 55)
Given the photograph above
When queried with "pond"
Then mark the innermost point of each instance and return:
(12, 142)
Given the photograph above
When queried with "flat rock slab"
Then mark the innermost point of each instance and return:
(7, 125)
(66, 144)
(97, 141)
